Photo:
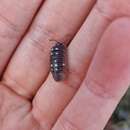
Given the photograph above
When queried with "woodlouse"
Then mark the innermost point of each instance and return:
(58, 61)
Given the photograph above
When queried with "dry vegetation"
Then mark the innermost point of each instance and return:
(121, 117)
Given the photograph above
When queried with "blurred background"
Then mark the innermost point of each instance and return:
(121, 117)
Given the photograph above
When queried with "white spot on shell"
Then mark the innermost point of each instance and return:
(56, 69)
(63, 64)
(56, 48)
(56, 65)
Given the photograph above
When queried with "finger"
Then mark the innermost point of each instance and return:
(106, 82)
(53, 97)
(54, 22)
(15, 17)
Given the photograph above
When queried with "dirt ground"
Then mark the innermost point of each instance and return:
(121, 117)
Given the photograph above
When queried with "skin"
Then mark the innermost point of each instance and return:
(99, 63)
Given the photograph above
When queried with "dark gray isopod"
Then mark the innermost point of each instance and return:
(58, 61)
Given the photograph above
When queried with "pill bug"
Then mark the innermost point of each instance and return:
(58, 61)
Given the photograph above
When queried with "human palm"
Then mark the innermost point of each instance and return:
(98, 62)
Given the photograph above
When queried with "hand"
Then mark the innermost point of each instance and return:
(99, 63)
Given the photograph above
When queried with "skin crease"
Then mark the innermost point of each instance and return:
(17, 111)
